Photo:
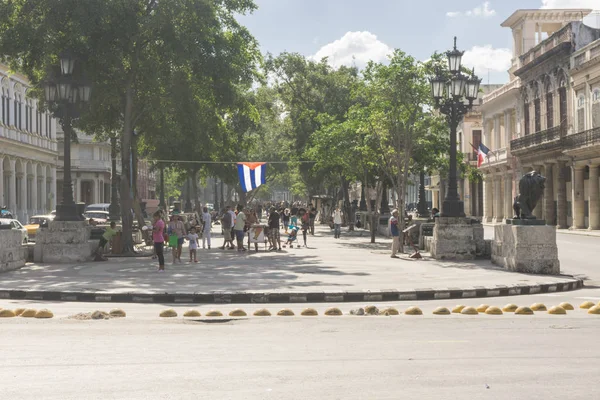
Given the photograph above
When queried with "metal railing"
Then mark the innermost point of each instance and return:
(548, 136)
(561, 36)
(582, 139)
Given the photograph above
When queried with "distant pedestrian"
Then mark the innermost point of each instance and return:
(305, 221)
(158, 237)
(108, 234)
(337, 223)
(285, 217)
(206, 225)
(312, 216)
(395, 232)
(226, 225)
(274, 237)
(239, 228)
(179, 231)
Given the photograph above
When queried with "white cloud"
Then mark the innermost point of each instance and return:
(483, 11)
(354, 48)
(593, 4)
(486, 59)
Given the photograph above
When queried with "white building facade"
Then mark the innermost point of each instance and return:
(28, 150)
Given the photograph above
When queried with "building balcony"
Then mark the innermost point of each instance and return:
(564, 35)
(496, 157)
(549, 139)
(583, 142)
(514, 84)
(28, 138)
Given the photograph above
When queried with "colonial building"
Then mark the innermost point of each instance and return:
(28, 150)
(554, 109)
(90, 169)
(525, 119)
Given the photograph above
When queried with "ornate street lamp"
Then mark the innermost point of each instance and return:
(64, 94)
(454, 96)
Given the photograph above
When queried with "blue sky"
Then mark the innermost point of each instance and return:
(354, 31)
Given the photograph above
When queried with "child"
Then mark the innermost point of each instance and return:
(293, 233)
(192, 237)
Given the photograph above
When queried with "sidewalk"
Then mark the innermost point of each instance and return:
(347, 269)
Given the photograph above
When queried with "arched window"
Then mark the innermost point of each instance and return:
(537, 107)
(18, 105)
(549, 103)
(5, 102)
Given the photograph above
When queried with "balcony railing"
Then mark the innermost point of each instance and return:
(561, 36)
(515, 83)
(583, 139)
(546, 139)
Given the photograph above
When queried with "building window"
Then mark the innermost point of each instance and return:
(581, 113)
(48, 126)
(596, 108)
(5, 101)
(549, 110)
(526, 119)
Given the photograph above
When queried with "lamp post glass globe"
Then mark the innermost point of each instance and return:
(454, 58)
(437, 87)
(457, 84)
(67, 63)
(64, 91)
(50, 92)
(84, 92)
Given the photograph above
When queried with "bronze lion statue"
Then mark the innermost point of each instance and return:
(531, 189)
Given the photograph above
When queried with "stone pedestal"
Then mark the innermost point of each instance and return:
(12, 251)
(454, 239)
(64, 242)
(526, 248)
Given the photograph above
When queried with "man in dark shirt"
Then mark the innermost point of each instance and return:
(274, 237)
(312, 216)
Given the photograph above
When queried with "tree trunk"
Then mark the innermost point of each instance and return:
(194, 178)
(115, 208)
(126, 200)
(347, 205)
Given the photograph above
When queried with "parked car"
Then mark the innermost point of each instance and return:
(17, 226)
(100, 217)
(97, 207)
(34, 224)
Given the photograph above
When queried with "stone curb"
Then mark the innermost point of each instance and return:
(310, 297)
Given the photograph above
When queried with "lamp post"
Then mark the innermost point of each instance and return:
(162, 204)
(454, 94)
(65, 93)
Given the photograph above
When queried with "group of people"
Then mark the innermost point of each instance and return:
(175, 233)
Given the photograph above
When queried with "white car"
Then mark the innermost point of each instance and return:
(16, 225)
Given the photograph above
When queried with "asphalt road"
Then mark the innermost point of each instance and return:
(349, 357)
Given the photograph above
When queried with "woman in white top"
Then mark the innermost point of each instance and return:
(206, 221)
(337, 223)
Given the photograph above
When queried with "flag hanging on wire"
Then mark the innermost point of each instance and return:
(252, 175)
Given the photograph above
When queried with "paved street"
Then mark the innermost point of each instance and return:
(349, 357)
(350, 263)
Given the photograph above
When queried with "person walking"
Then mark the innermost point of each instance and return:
(192, 237)
(285, 217)
(395, 232)
(179, 230)
(206, 225)
(238, 228)
(274, 237)
(337, 223)
(305, 223)
(158, 237)
(226, 225)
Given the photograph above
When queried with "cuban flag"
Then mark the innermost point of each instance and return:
(252, 175)
(482, 154)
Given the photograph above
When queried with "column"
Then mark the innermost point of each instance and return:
(594, 198)
(498, 199)
(496, 142)
(488, 194)
(538, 212)
(549, 210)
(507, 130)
(561, 193)
(12, 191)
(77, 190)
(508, 196)
(34, 192)
(43, 194)
(578, 196)
(23, 205)
(53, 189)
(3, 199)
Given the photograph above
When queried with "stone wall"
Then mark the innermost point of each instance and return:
(12, 251)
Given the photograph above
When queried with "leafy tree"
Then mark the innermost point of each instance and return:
(133, 52)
